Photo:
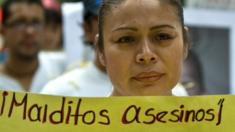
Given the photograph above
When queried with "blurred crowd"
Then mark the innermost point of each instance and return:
(33, 58)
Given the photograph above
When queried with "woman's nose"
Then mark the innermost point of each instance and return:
(146, 55)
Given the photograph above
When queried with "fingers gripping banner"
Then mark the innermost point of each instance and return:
(25, 112)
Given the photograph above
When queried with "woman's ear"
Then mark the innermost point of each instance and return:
(99, 52)
(186, 42)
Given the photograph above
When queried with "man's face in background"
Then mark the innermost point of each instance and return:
(23, 30)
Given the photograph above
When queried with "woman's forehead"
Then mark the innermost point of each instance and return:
(145, 12)
(141, 4)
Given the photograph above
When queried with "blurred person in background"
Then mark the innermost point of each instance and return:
(90, 79)
(23, 28)
(52, 47)
(53, 26)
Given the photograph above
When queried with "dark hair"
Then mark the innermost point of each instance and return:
(88, 17)
(7, 4)
(91, 9)
(107, 6)
(53, 16)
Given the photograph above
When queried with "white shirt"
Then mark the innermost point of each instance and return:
(88, 56)
(83, 82)
(49, 68)
(179, 90)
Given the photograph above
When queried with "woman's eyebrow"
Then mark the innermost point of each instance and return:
(161, 26)
(125, 28)
(135, 29)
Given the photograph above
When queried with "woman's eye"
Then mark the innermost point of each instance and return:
(126, 39)
(163, 36)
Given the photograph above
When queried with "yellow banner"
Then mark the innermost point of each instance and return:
(25, 112)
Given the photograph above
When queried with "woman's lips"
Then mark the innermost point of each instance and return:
(148, 77)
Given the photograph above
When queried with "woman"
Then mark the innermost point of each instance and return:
(143, 44)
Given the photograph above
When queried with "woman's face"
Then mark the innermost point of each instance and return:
(143, 48)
